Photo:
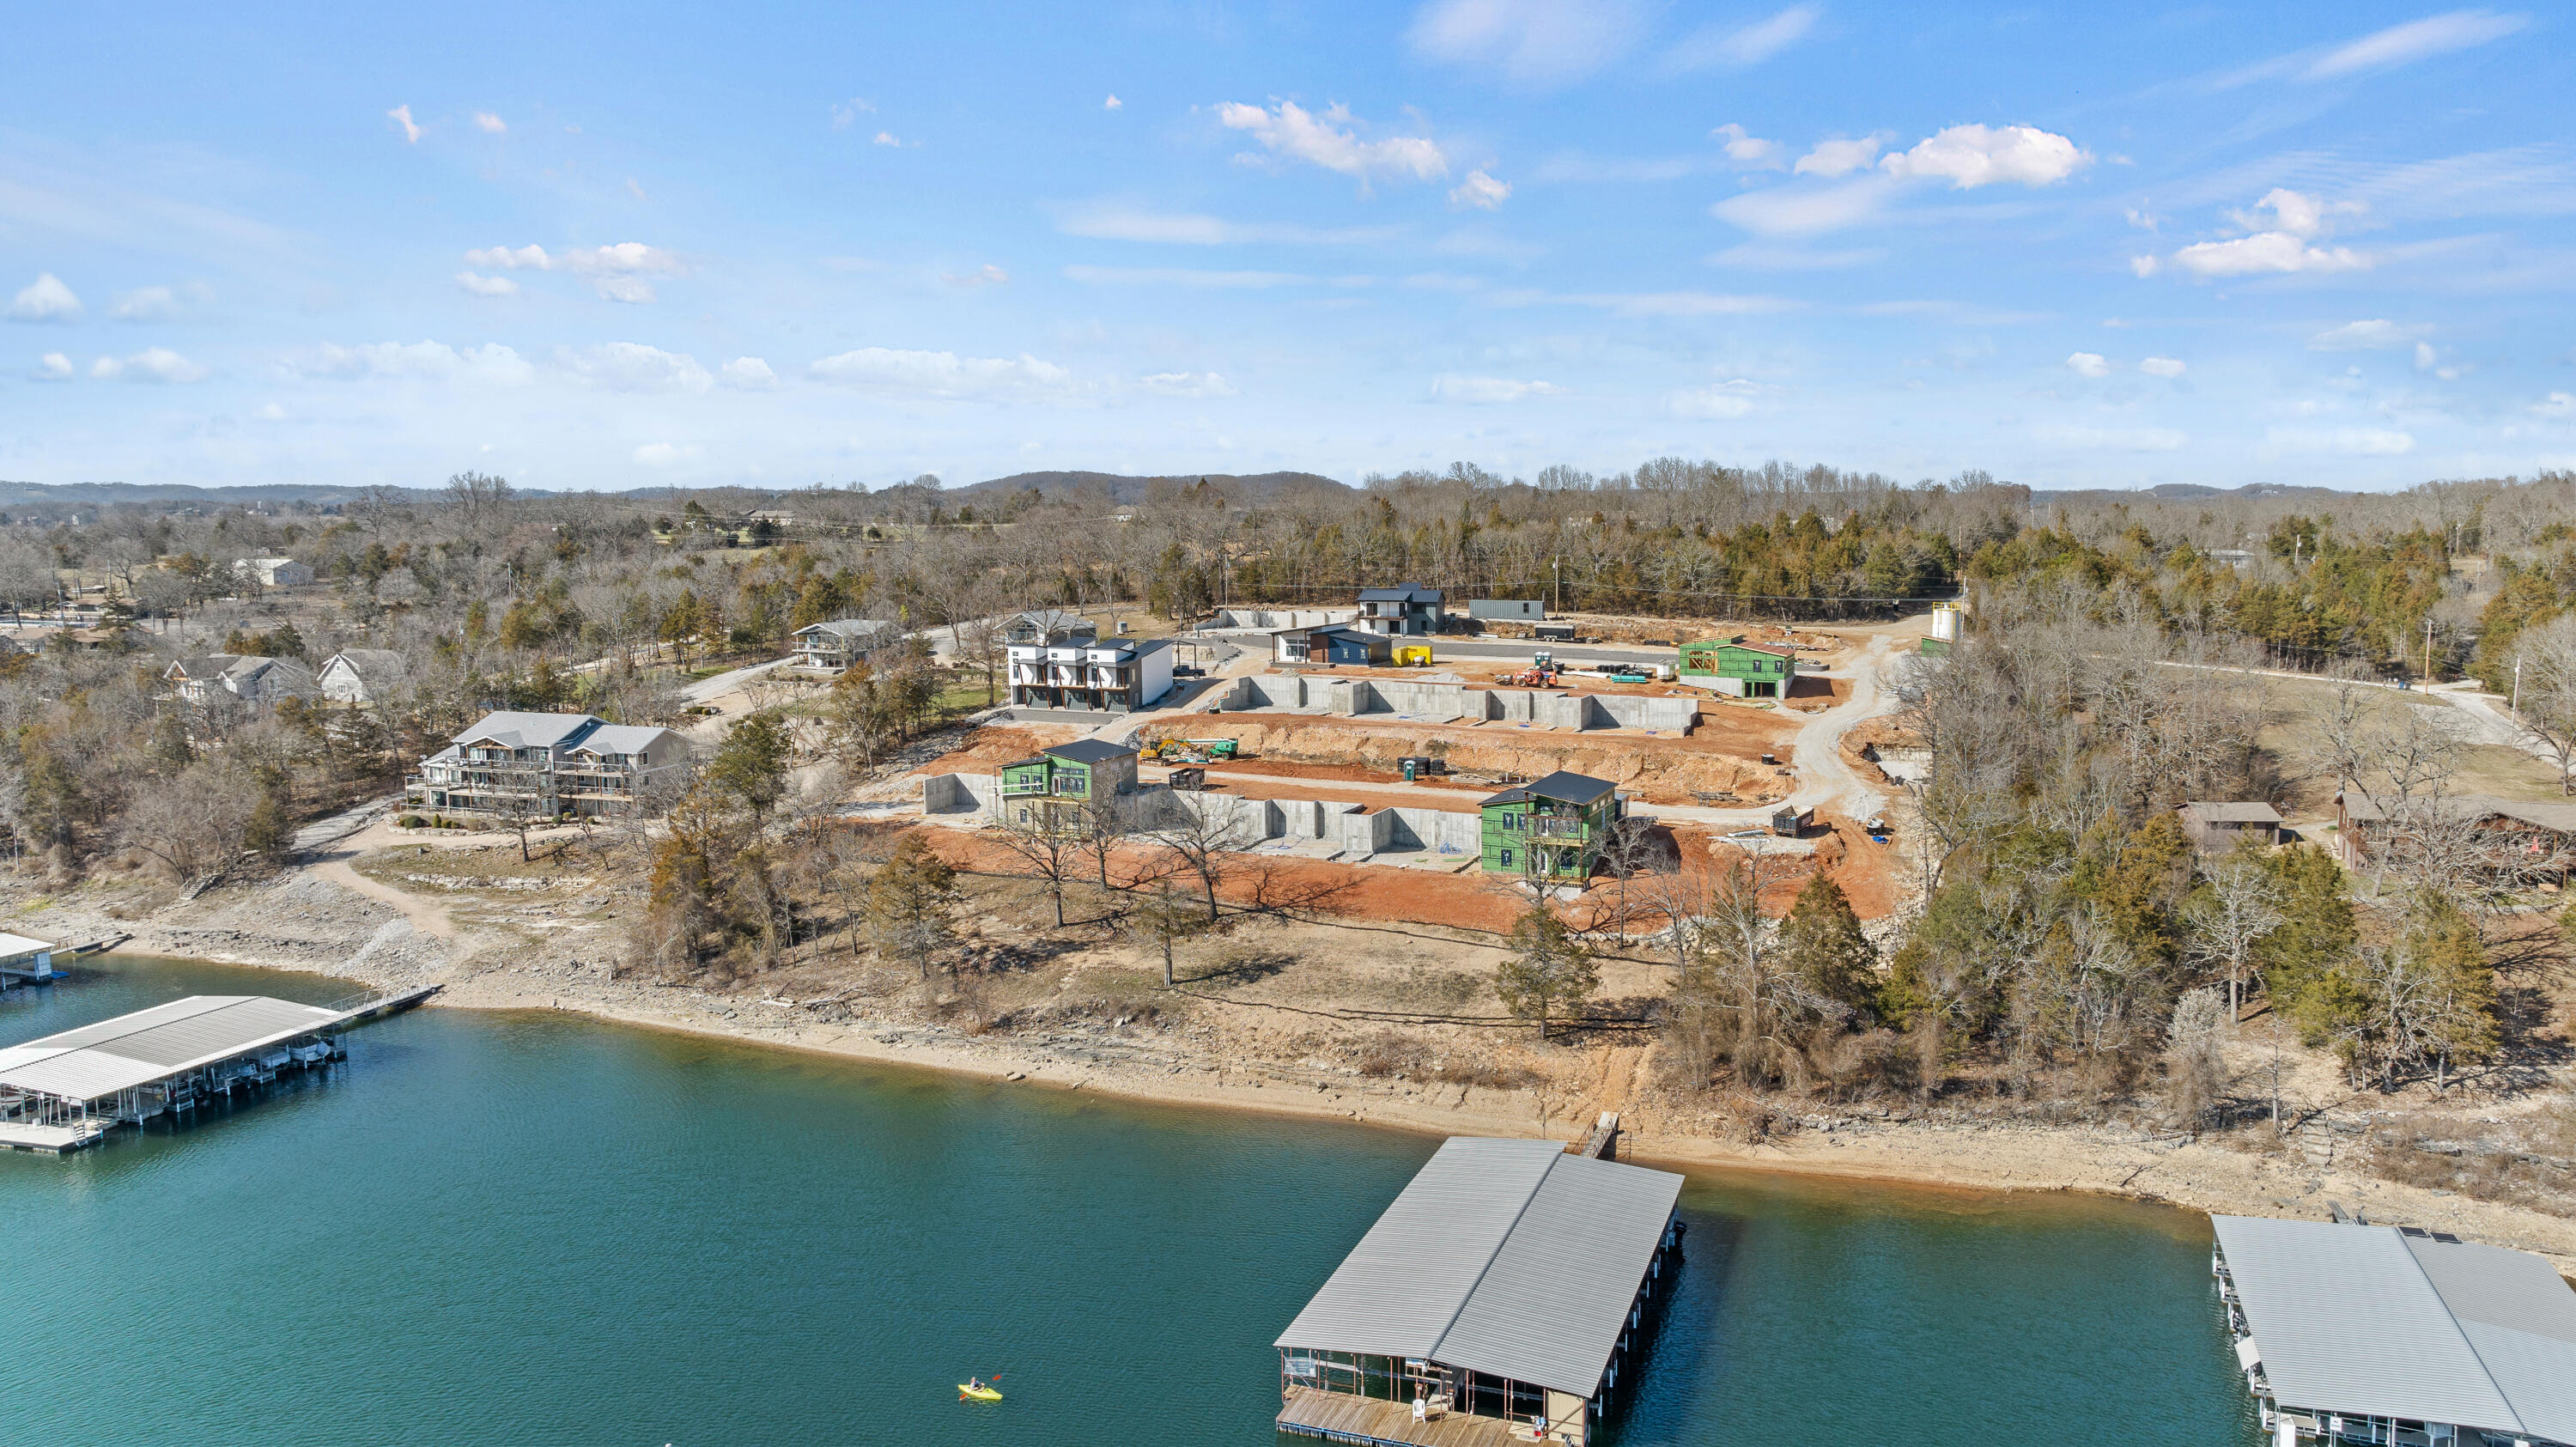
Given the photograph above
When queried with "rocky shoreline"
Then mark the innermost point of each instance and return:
(301, 921)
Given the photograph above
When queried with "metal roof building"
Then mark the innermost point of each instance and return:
(1507, 1278)
(2387, 1334)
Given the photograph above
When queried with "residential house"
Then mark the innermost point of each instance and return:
(362, 675)
(2216, 828)
(1735, 667)
(273, 572)
(2538, 836)
(1332, 643)
(1553, 826)
(549, 765)
(1407, 609)
(2237, 558)
(1056, 787)
(1047, 626)
(1113, 675)
(1507, 610)
(832, 647)
(258, 682)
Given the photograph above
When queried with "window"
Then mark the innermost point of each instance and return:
(1511, 823)
(1504, 859)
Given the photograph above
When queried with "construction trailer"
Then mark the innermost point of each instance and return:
(1739, 669)
(1505, 1295)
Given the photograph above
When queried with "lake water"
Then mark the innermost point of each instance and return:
(538, 1229)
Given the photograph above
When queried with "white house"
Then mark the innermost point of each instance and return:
(274, 572)
(256, 681)
(832, 647)
(362, 675)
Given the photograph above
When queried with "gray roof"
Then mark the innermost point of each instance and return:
(147, 1045)
(1400, 593)
(848, 627)
(2372, 1320)
(2558, 818)
(2233, 813)
(380, 664)
(529, 730)
(1501, 1256)
(1561, 787)
(1090, 751)
(611, 738)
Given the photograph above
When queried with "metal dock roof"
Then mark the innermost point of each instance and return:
(147, 1045)
(1501, 1256)
(2370, 1320)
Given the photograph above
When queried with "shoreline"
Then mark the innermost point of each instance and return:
(2001, 1159)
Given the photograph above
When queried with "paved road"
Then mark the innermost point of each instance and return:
(724, 683)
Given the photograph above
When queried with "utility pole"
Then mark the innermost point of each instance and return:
(2517, 686)
(2428, 650)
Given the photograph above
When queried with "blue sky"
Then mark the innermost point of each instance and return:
(648, 245)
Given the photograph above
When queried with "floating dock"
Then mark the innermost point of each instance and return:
(1503, 1297)
(69, 1090)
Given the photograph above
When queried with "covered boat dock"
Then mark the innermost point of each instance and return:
(1501, 1297)
(2351, 1334)
(67, 1090)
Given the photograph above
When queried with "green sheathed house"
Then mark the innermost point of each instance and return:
(1056, 784)
(1733, 666)
(1558, 822)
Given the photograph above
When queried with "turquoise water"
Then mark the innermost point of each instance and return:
(536, 1229)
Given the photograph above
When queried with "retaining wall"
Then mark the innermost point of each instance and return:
(960, 793)
(1446, 702)
(1270, 620)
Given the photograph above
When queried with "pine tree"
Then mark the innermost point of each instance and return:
(1546, 971)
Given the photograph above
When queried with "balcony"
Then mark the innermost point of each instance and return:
(1024, 788)
(1548, 826)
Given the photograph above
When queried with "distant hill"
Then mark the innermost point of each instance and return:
(24, 494)
(1263, 487)
(2188, 492)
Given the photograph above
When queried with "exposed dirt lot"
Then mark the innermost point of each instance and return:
(1720, 755)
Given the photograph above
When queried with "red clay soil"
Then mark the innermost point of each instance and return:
(1720, 756)
(994, 745)
(1417, 896)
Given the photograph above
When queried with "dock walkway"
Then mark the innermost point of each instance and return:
(1370, 1422)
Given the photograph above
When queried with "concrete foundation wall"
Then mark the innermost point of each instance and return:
(1270, 620)
(960, 793)
(1405, 831)
(1444, 702)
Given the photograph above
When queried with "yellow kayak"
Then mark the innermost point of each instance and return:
(970, 1392)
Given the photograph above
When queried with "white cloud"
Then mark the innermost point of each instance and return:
(2144, 266)
(1718, 399)
(1187, 384)
(490, 124)
(622, 259)
(887, 138)
(2299, 214)
(1113, 104)
(1195, 280)
(53, 367)
(2266, 251)
(152, 364)
(1483, 391)
(2163, 366)
(1677, 303)
(481, 285)
(665, 454)
(2373, 335)
(2557, 406)
(45, 299)
(270, 412)
(751, 374)
(432, 361)
(2114, 439)
(1765, 256)
(633, 290)
(1746, 149)
(1840, 157)
(1748, 45)
(2415, 40)
(2349, 441)
(1115, 223)
(2088, 364)
(1974, 155)
(145, 304)
(2425, 356)
(1331, 140)
(846, 114)
(401, 116)
(1801, 211)
(1529, 42)
(939, 374)
(986, 275)
(634, 367)
(1481, 191)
